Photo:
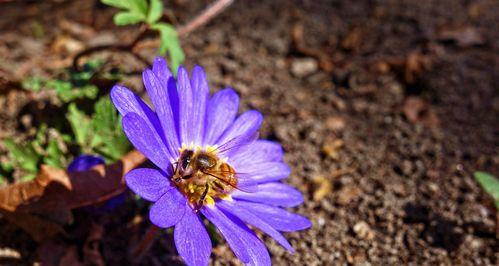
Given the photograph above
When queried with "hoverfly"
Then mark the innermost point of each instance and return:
(202, 176)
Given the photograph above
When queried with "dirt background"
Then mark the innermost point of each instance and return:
(385, 110)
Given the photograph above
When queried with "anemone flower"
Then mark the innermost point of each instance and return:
(84, 162)
(210, 163)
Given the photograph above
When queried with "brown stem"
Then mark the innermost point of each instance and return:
(205, 16)
(127, 48)
(145, 243)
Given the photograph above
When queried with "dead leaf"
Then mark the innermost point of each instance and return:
(41, 206)
(419, 112)
(323, 189)
(353, 39)
(347, 194)
(463, 36)
(298, 40)
(415, 64)
(335, 123)
(332, 149)
(91, 251)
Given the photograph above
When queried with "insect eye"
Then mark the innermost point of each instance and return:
(185, 162)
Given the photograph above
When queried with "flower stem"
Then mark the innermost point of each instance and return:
(139, 250)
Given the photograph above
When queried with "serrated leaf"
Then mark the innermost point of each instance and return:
(155, 11)
(54, 155)
(127, 18)
(170, 44)
(105, 114)
(490, 184)
(80, 124)
(23, 156)
(108, 139)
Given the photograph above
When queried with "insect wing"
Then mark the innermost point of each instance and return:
(232, 181)
(236, 142)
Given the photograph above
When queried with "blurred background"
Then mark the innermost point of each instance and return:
(386, 110)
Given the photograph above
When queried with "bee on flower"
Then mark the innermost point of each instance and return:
(210, 163)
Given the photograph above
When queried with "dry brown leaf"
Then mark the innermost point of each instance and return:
(41, 206)
(298, 39)
(419, 112)
(91, 251)
(415, 64)
(323, 189)
(347, 194)
(353, 39)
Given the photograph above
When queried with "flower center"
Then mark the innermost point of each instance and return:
(203, 177)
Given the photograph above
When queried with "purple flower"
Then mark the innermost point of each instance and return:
(85, 162)
(209, 163)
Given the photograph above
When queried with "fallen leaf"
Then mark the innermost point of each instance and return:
(415, 64)
(331, 149)
(91, 251)
(347, 194)
(323, 189)
(419, 111)
(41, 206)
(353, 39)
(299, 44)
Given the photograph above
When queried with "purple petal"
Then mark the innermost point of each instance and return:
(221, 112)
(191, 239)
(148, 183)
(161, 70)
(245, 244)
(158, 92)
(274, 193)
(246, 124)
(186, 107)
(276, 217)
(259, 151)
(263, 172)
(146, 140)
(201, 93)
(169, 209)
(255, 221)
(84, 162)
(127, 102)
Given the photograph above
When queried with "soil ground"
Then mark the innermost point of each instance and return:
(385, 109)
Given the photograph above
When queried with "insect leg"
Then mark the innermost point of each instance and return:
(203, 197)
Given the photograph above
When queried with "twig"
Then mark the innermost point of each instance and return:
(205, 16)
(127, 48)
(145, 243)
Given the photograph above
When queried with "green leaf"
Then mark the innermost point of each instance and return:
(80, 124)
(134, 11)
(127, 18)
(23, 156)
(33, 83)
(490, 184)
(155, 11)
(108, 139)
(116, 3)
(54, 155)
(138, 6)
(170, 44)
(28, 177)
